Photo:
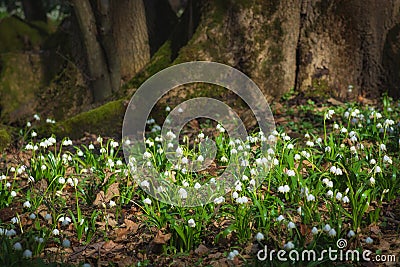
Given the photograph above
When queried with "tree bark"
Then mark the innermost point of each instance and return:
(342, 44)
(96, 61)
(34, 10)
(131, 36)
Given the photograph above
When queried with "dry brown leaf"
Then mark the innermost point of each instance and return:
(201, 250)
(112, 191)
(100, 199)
(131, 226)
(161, 238)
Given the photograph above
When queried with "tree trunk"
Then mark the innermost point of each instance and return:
(34, 10)
(131, 37)
(319, 47)
(258, 38)
(346, 43)
(96, 61)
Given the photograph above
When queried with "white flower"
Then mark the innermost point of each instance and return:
(336, 170)
(288, 246)
(66, 243)
(314, 230)
(182, 193)
(56, 232)
(382, 147)
(32, 216)
(369, 240)
(27, 254)
(372, 180)
(259, 236)
(91, 147)
(145, 184)
(378, 169)
(299, 210)
(353, 149)
(307, 135)
(387, 159)
(343, 130)
(372, 162)
(185, 183)
(14, 220)
(351, 233)
(29, 147)
(28, 124)
(191, 223)
(11, 232)
(64, 220)
(197, 185)
(305, 154)
(280, 218)
(339, 196)
(219, 200)
(283, 189)
(332, 232)
(147, 201)
(345, 199)
(179, 152)
(329, 114)
(233, 254)
(233, 151)
(327, 228)
(220, 128)
(242, 200)
(388, 123)
(310, 197)
(200, 158)
(13, 193)
(112, 203)
(33, 134)
(146, 155)
(17, 246)
(114, 144)
(297, 157)
(291, 225)
(47, 217)
(291, 173)
(224, 159)
(235, 195)
(310, 143)
(290, 146)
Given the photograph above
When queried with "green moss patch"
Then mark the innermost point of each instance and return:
(105, 120)
(5, 139)
(17, 35)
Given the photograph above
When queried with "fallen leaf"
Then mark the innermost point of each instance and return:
(201, 250)
(161, 238)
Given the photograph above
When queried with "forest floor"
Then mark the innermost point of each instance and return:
(334, 176)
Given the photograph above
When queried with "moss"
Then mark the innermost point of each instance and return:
(5, 139)
(17, 35)
(105, 120)
(319, 88)
(20, 80)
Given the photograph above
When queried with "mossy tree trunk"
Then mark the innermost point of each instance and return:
(119, 37)
(349, 43)
(316, 46)
(100, 77)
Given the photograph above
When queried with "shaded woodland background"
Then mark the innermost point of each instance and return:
(80, 61)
